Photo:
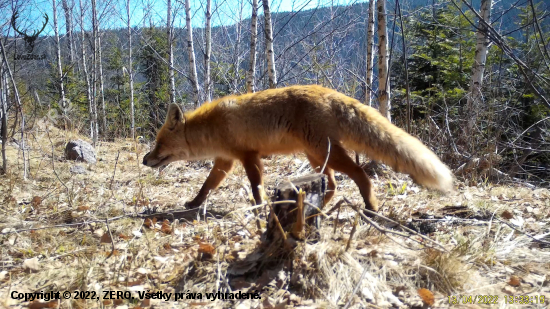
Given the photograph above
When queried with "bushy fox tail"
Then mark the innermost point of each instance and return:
(373, 134)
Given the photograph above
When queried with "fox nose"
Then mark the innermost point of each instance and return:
(145, 158)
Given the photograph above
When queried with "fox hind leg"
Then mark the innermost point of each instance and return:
(220, 170)
(254, 168)
(340, 161)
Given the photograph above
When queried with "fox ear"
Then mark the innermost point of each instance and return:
(174, 116)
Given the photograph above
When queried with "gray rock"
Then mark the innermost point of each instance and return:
(78, 169)
(80, 150)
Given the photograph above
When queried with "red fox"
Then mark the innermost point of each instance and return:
(318, 121)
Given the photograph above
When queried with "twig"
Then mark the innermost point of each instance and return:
(337, 206)
(321, 213)
(298, 228)
(523, 233)
(112, 241)
(55, 172)
(277, 222)
(381, 229)
(328, 154)
(65, 225)
(357, 285)
(353, 229)
(114, 171)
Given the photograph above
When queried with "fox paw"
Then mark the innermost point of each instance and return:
(192, 204)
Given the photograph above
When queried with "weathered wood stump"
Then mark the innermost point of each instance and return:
(295, 218)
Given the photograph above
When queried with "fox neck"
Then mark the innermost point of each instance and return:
(202, 139)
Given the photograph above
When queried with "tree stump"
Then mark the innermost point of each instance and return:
(296, 219)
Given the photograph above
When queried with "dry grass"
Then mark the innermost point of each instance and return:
(484, 249)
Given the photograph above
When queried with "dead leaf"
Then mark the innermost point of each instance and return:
(150, 223)
(515, 281)
(124, 237)
(146, 303)
(134, 283)
(427, 296)
(507, 215)
(166, 228)
(167, 246)
(82, 208)
(206, 248)
(40, 305)
(106, 238)
(109, 253)
(36, 201)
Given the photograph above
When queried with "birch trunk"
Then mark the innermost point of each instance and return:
(101, 87)
(93, 124)
(130, 72)
(94, 70)
(207, 52)
(370, 54)
(22, 144)
(169, 34)
(59, 66)
(383, 78)
(482, 43)
(69, 28)
(253, 40)
(407, 86)
(191, 52)
(236, 56)
(4, 118)
(270, 55)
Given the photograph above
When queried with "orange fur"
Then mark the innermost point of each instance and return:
(311, 119)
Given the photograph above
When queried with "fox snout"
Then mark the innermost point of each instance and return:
(152, 159)
(145, 158)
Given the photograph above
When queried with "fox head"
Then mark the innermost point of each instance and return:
(171, 144)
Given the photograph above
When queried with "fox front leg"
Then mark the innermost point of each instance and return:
(220, 170)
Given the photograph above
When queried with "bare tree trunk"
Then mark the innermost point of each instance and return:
(4, 117)
(94, 70)
(169, 34)
(383, 78)
(69, 27)
(407, 87)
(370, 53)
(130, 72)
(253, 39)
(270, 55)
(191, 52)
(101, 87)
(22, 143)
(207, 52)
(236, 53)
(93, 124)
(482, 43)
(59, 66)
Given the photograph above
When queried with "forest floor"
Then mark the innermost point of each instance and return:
(79, 232)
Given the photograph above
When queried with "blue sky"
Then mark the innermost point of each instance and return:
(225, 12)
